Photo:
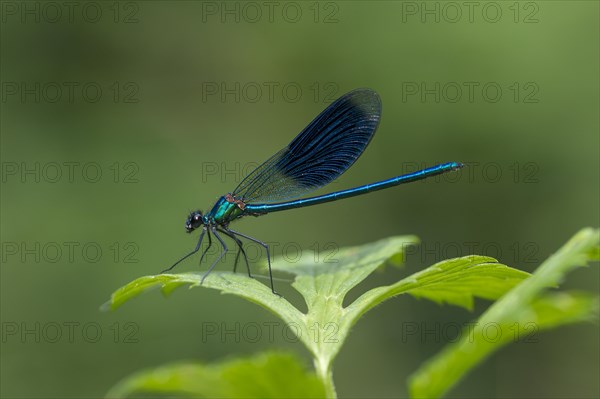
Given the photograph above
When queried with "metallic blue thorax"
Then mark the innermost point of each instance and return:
(224, 212)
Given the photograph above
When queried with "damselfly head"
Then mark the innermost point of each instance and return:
(194, 221)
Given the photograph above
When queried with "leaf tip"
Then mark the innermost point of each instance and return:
(106, 306)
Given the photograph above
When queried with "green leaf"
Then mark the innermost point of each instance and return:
(269, 375)
(324, 283)
(455, 281)
(524, 310)
(227, 283)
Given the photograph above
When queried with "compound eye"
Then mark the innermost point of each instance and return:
(196, 218)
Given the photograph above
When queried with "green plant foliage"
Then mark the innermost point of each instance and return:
(525, 310)
(325, 326)
(268, 375)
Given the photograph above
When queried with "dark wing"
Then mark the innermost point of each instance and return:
(324, 150)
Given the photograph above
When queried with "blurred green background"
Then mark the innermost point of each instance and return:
(178, 120)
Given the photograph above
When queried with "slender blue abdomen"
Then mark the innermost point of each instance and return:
(367, 188)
